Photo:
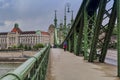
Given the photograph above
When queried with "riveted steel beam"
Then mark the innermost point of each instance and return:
(118, 28)
(69, 44)
(80, 36)
(97, 29)
(75, 40)
(72, 45)
(87, 33)
(85, 36)
(108, 33)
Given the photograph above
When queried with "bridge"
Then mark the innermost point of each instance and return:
(89, 37)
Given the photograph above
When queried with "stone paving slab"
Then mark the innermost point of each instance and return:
(67, 66)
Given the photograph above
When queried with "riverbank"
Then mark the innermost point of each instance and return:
(16, 56)
(10, 60)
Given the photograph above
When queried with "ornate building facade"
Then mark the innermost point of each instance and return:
(28, 38)
(51, 32)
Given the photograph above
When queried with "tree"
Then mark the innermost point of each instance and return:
(26, 47)
(37, 46)
(29, 48)
(14, 47)
(40, 45)
(21, 46)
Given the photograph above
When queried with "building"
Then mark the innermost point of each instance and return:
(29, 38)
(51, 32)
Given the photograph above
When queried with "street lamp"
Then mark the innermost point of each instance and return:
(55, 20)
(67, 9)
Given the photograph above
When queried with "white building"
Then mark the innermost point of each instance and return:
(28, 38)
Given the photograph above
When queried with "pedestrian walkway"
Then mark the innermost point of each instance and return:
(67, 66)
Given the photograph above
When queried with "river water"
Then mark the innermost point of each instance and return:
(7, 67)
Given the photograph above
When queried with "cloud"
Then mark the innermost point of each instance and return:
(2, 24)
(4, 3)
(32, 14)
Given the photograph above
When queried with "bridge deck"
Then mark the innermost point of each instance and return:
(66, 66)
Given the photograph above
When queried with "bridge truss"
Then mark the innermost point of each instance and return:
(92, 29)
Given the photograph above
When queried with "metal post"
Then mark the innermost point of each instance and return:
(69, 44)
(118, 28)
(71, 17)
(85, 35)
(55, 24)
(65, 22)
(75, 40)
(80, 36)
(72, 45)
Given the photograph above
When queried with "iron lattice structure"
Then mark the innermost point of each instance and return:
(92, 29)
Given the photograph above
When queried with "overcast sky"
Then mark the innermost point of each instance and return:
(33, 14)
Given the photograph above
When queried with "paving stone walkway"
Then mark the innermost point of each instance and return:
(67, 66)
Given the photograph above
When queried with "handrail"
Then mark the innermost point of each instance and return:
(33, 69)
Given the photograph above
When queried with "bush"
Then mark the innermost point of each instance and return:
(29, 48)
(21, 46)
(37, 46)
(13, 47)
(26, 47)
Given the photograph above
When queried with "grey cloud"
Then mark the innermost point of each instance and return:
(39, 13)
(2, 24)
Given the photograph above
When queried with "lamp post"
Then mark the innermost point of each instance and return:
(67, 7)
(55, 24)
(67, 10)
(71, 17)
(55, 20)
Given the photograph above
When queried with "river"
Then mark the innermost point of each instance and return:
(7, 67)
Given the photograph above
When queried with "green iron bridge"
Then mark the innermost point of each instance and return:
(94, 18)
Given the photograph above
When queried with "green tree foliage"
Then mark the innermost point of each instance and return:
(14, 47)
(37, 46)
(29, 48)
(26, 47)
(21, 46)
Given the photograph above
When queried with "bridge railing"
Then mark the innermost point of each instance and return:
(33, 69)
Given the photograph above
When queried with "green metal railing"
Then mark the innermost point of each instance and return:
(33, 69)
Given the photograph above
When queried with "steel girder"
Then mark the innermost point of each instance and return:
(108, 32)
(91, 30)
(75, 40)
(87, 33)
(92, 21)
(80, 36)
(69, 45)
(99, 20)
(103, 27)
(118, 28)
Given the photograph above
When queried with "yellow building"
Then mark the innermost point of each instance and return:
(29, 38)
